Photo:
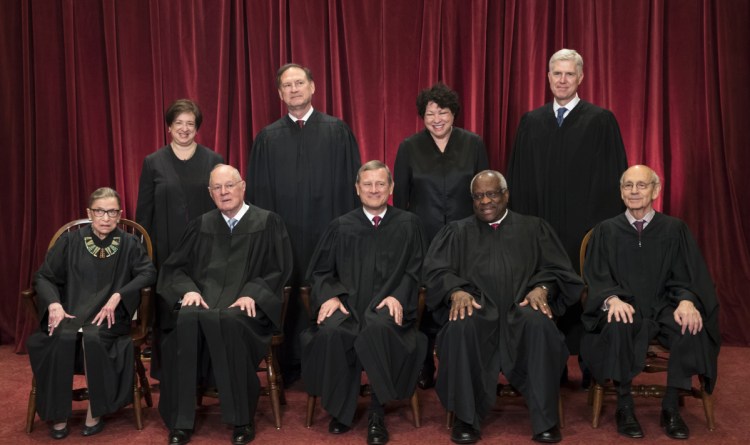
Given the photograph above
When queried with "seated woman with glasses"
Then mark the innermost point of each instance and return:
(87, 291)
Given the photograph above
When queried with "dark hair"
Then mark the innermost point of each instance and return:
(183, 106)
(102, 193)
(283, 69)
(439, 93)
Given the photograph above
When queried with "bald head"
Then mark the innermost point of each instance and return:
(639, 187)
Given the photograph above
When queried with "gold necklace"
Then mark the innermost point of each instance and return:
(102, 252)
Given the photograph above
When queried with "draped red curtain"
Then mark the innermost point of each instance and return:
(84, 84)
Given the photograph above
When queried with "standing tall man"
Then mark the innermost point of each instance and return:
(302, 167)
(564, 166)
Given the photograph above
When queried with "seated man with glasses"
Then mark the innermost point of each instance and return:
(496, 280)
(647, 280)
(220, 296)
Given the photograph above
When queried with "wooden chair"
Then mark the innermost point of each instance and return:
(657, 358)
(365, 389)
(139, 330)
(270, 365)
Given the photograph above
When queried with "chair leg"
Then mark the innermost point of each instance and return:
(145, 385)
(560, 412)
(273, 389)
(31, 411)
(708, 407)
(137, 401)
(449, 419)
(310, 410)
(597, 404)
(416, 410)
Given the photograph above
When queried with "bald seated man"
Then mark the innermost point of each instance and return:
(647, 280)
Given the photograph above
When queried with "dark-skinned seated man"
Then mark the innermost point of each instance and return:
(647, 280)
(365, 274)
(498, 279)
(221, 291)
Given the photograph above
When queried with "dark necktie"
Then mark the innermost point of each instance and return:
(639, 227)
(495, 226)
(560, 115)
(376, 221)
(300, 123)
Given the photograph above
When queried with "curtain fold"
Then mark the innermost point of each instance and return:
(85, 84)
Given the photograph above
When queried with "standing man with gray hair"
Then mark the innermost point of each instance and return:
(564, 167)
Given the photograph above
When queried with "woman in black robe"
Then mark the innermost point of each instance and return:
(173, 190)
(433, 174)
(87, 290)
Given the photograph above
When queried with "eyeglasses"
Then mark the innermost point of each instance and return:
(628, 186)
(492, 195)
(229, 186)
(112, 213)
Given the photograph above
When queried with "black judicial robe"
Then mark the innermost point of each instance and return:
(568, 175)
(362, 265)
(499, 267)
(171, 192)
(434, 184)
(254, 260)
(83, 284)
(666, 268)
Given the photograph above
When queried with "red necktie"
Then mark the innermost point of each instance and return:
(376, 221)
(639, 227)
(300, 123)
(495, 226)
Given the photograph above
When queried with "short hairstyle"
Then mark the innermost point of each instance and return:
(183, 106)
(374, 165)
(567, 54)
(282, 70)
(497, 174)
(442, 95)
(235, 172)
(103, 193)
(652, 174)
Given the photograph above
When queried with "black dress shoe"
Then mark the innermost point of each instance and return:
(243, 434)
(426, 378)
(91, 430)
(336, 427)
(627, 424)
(674, 425)
(59, 434)
(179, 437)
(552, 435)
(462, 432)
(377, 434)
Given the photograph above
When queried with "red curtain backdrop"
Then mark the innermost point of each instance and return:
(84, 84)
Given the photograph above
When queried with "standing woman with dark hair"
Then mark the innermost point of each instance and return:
(174, 189)
(174, 180)
(433, 174)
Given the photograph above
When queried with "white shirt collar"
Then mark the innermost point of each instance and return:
(501, 219)
(303, 118)
(239, 214)
(370, 216)
(646, 219)
(568, 106)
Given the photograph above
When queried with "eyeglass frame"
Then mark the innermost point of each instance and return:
(628, 186)
(492, 194)
(112, 213)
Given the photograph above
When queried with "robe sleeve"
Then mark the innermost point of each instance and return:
(351, 164)
(322, 270)
(144, 212)
(142, 271)
(51, 276)
(482, 163)
(402, 177)
(174, 277)
(267, 287)
(441, 270)
(259, 175)
(407, 289)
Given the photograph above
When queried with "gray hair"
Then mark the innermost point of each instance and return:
(103, 193)
(567, 54)
(497, 174)
(374, 165)
(235, 172)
